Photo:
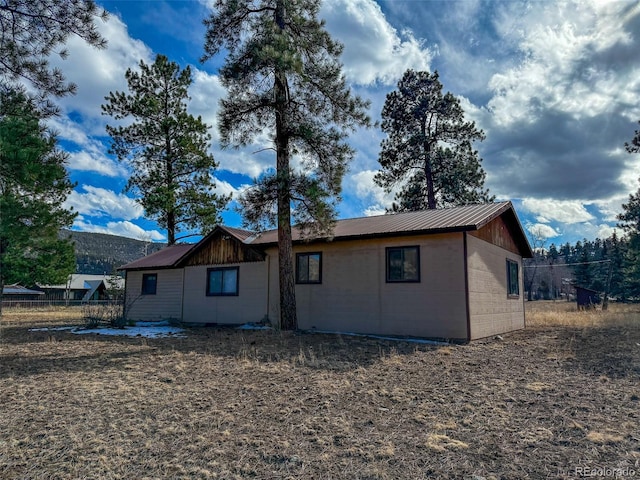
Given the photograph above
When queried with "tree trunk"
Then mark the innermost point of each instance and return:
(288, 318)
(428, 169)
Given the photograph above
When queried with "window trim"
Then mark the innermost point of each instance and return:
(208, 291)
(308, 282)
(147, 291)
(510, 293)
(388, 250)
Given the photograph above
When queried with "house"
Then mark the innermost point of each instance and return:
(17, 292)
(452, 273)
(81, 287)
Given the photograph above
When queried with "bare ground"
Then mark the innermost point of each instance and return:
(552, 401)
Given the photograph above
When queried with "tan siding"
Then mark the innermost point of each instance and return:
(354, 295)
(491, 310)
(249, 306)
(165, 304)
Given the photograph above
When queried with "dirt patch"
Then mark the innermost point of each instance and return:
(229, 404)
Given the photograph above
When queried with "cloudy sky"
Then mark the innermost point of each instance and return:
(554, 85)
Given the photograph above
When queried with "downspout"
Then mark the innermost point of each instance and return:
(466, 285)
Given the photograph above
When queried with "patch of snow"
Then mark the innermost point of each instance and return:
(160, 331)
(142, 329)
(50, 329)
(253, 326)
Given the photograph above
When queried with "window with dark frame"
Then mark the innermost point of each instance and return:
(222, 281)
(309, 267)
(513, 280)
(149, 283)
(403, 264)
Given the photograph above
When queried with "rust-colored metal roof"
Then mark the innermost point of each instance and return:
(239, 233)
(456, 219)
(167, 257)
(470, 217)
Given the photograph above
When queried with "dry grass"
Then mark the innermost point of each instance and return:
(229, 404)
(561, 313)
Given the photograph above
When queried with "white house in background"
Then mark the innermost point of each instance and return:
(450, 274)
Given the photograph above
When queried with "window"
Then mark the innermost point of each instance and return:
(222, 281)
(403, 264)
(149, 283)
(513, 282)
(309, 267)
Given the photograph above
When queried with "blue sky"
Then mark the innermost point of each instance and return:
(554, 85)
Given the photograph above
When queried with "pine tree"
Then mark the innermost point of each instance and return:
(166, 148)
(428, 151)
(33, 187)
(283, 76)
(32, 30)
(630, 223)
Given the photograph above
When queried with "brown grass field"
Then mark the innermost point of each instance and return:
(556, 400)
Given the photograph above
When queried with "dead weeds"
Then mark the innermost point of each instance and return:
(230, 404)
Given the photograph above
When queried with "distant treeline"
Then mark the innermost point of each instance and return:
(601, 265)
(99, 253)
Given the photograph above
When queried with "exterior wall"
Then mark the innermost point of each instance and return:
(165, 304)
(354, 295)
(491, 311)
(250, 305)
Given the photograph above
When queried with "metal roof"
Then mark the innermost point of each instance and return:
(166, 257)
(19, 290)
(455, 219)
(470, 217)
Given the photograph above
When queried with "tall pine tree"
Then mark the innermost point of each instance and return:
(428, 151)
(283, 76)
(33, 187)
(32, 30)
(166, 148)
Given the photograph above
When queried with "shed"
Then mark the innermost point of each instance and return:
(587, 298)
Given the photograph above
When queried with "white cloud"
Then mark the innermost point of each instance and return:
(374, 50)
(124, 229)
(99, 202)
(97, 72)
(561, 44)
(206, 92)
(94, 162)
(565, 211)
(542, 231)
(374, 210)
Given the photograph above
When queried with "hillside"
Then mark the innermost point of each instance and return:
(99, 253)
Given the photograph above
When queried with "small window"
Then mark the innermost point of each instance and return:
(149, 283)
(309, 267)
(222, 281)
(513, 282)
(403, 264)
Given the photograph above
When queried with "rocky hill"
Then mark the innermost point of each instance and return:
(99, 253)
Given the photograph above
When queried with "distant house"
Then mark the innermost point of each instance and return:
(17, 292)
(452, 273)
(80, 287)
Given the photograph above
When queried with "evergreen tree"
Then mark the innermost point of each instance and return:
(33, 187)
(630, 223)
(166, 148)
(31, 30)
(428, 151)
(283, 76)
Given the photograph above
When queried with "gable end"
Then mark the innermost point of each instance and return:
(220, 248)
